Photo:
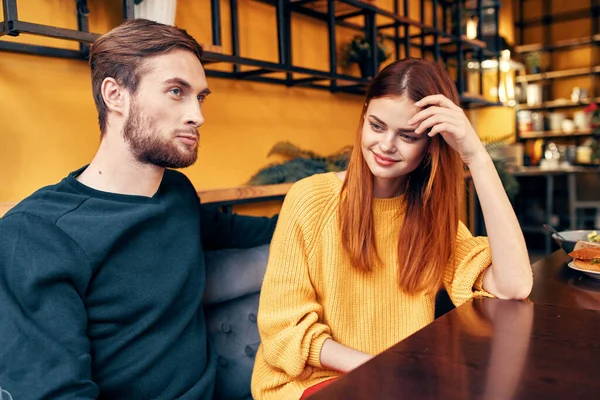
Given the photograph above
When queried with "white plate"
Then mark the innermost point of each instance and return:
(593, 274)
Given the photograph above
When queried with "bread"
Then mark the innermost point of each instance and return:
(582, 244)
(586, 265)
(586, 258)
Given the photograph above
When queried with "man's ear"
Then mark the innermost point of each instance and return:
(116, 97)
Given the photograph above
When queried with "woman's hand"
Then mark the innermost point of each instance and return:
(510, 275)
(444, 117)
(341, 358)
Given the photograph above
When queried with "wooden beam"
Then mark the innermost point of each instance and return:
(243, 193)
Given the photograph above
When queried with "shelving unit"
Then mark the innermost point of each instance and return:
(555, 204)
(589, 14)
(434, 41)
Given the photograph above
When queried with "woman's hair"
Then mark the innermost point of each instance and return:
(433, 195)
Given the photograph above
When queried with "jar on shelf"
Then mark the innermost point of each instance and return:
(525, 122)
(534, 94)
(584, 155)
(537, 121)
(555, 120)
(582, 120)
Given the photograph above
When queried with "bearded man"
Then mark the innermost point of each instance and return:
(102, 274)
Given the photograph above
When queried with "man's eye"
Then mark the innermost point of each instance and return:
(176, 91)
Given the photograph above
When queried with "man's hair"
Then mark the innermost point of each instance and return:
(121, 52)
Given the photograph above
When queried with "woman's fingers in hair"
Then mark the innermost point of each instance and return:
(437, 100)
(428, 114)
(442, 128)
(435, 120)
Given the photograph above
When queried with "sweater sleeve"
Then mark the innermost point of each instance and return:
(44, 350)
(463, 279)
(227, 231)
(290, 318)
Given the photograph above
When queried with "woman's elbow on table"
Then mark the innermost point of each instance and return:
(512, 288)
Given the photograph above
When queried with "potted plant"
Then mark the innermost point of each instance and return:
(593, 110)
(358, 51)
(503, 167)
(300, 164)
(533, 62)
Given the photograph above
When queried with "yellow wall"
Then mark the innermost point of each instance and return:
(48, 120)
(49, 128)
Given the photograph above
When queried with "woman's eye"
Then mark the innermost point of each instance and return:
(376, 127)
(407, 137)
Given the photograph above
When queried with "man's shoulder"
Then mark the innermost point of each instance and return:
(49, 203)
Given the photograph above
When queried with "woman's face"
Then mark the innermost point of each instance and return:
(390, 147)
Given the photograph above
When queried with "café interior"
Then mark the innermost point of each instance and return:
(288, 79)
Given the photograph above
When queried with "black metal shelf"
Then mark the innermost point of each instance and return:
(475, 101)
(434, 41)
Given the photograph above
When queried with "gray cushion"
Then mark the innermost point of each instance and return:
(234, 273)
(233, 282)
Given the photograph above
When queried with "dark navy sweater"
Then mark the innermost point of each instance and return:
(100, 293)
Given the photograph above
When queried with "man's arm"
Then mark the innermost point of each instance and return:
(44, 350)
(230, 231)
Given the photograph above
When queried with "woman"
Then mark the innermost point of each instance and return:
(358, 257)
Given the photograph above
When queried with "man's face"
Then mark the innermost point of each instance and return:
(166, 111)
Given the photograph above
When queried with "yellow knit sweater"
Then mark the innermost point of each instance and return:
(312, 292)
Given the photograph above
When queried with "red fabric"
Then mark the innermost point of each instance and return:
(314, 389)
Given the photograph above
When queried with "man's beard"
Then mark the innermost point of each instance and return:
(150, 147)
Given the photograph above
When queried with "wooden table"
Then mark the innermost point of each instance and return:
(495, 349)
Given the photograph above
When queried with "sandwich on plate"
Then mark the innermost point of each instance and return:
(586, 256)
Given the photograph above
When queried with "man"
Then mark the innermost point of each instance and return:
(102, 274)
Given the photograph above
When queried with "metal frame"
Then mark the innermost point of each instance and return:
(444, 46)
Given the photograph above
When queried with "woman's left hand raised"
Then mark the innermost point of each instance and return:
(444, 117)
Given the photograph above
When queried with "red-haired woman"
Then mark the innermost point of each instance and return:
(358, 256)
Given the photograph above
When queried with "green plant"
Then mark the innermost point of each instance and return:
(509, 181)
(358, 51)
(300, 164)
(533, 62)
